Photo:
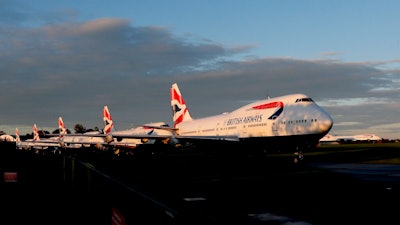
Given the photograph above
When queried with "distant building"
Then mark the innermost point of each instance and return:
(358, 138)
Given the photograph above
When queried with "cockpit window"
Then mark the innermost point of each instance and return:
(304, 100)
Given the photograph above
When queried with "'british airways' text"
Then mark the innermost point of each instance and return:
(246, 119)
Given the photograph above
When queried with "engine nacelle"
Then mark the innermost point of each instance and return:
(166, 140)
(109, 138)
(99, 146)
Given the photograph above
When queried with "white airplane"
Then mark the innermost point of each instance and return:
(75, 141)
(7, 138)
(150, 133)
(36, 143)
(128, 139)
(287, 122)
(79, 140)
(358, 138)
(21, 145)
(328, 138)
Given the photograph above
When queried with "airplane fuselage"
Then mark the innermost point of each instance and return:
(78, 141)
(124, 138)
(295, 118)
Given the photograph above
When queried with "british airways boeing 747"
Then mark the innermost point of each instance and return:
(287, 122)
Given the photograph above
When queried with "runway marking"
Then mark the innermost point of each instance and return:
(377, 172)
(194, 199)
(270, 217)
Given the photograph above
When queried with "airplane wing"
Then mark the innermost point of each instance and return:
(232, 138)
(44, 143)
(172, 129)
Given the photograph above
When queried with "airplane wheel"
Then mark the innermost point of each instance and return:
(57, 152)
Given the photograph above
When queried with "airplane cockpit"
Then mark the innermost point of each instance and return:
(304, 100)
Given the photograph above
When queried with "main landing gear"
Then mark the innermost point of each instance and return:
(298, 156)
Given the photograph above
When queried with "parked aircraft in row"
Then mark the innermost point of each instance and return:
(77, 141)
(22, 145)
(36, 143)
(292, 122)
(358, 138)
(151, 133)
(54, 142)
(287, 122)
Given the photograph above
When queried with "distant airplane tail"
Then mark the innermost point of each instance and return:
(108, 124)
(61, 127)
(35, 133)
(17, 138)
(179, 108)
(62, 131)
(18, 141)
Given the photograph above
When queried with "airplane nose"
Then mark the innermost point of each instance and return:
(326, 122)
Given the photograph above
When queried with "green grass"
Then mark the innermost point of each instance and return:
(382, 153)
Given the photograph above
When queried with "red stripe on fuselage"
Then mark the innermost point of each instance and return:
(269, 105)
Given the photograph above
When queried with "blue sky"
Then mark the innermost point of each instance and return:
(70, 58)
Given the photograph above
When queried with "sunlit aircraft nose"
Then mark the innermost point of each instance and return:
(325, 122)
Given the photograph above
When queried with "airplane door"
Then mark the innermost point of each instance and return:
(245, 132)
(222, 129)
(274, 127)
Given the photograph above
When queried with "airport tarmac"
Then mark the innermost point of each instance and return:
(195, 188)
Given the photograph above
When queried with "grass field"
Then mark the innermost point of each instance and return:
(381, 153)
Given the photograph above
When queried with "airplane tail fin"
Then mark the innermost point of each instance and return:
(61, 127)
(108, 122)
(179, 108)
(35, 133)
(17, 138)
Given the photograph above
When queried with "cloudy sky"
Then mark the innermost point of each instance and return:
(70, 58)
